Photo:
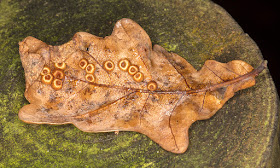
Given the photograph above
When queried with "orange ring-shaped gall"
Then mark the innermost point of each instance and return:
(90, 78)
(83, 63)
(61, 65)
(47, 79)
(152, 86)
(58, 74)
(124, 64)
(133, 69)
(109, 65)
(138, 77)
(57, 84)
(90, 68)
(46, 70)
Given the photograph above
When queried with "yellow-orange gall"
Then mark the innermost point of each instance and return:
(109, 65)
(47, 79)
(90, 78)
(90, 68)
(57, 84)
(61, 65)
(124, 64)
(133, 69)
(46, 70)
(152, 86)
(138, 77)
(58, 74)
(83, 63)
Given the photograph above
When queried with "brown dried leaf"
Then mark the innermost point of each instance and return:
(121, 83)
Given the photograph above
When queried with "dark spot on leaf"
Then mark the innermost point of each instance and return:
(126, 103)
(60, 104)
(52, 98)
(154, 99)
(165, 83)
(43, 109)
(107, 94)
(180, 65)
(88, 121)
(39, 91)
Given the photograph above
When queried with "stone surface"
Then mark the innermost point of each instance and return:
(241, 134)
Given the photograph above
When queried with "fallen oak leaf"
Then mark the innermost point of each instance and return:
(121, 83)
